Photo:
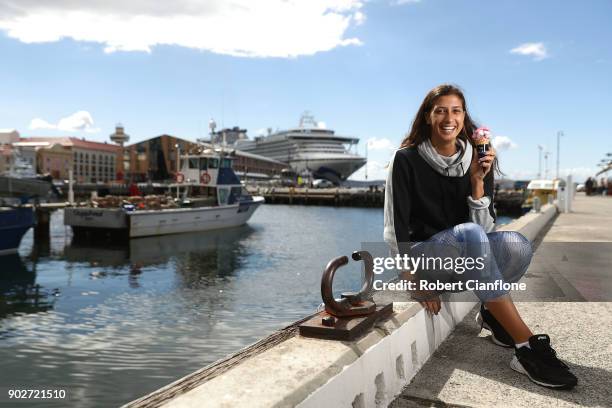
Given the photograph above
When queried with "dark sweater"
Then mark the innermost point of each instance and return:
(426, 202)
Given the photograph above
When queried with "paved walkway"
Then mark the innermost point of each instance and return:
(569, 297)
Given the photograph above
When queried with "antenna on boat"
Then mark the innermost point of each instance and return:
(307, 120)
(212, 125)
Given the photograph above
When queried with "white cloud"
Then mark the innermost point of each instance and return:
(503, 143)
(359, 18)
(535, 50)
(377, 170)
(38, 123)
(262, 28)
(78, 121)
(380, 144)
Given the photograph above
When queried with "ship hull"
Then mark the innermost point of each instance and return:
(134, 224)
(334, 169)
(14, 223)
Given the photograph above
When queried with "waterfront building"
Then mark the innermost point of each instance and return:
(91, 162)
(7, 138)
(249, 166)
(6, 158)
(56, 160)
(155, 159)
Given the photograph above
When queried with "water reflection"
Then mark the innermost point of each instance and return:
(200, 258)
(19, 292)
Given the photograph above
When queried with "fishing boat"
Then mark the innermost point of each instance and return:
(18, 186)
(206, 195)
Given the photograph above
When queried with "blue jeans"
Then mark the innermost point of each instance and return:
(504, 255)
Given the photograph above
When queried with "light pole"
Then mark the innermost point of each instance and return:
(366, 157)
(546, 165)
(559, 135)
(178, 169)
(540, 148)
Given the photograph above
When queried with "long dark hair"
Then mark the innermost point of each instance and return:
(421, 130)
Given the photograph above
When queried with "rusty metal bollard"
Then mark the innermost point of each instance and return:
(354, 313)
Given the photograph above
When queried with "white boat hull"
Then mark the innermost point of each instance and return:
(175, 221)
(334, 168)
(159, 222)
(96, 218)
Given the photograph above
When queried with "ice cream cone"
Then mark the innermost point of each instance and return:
(481, 140)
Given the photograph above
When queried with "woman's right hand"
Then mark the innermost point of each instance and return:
(428, 299)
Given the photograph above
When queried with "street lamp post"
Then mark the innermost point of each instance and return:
(559, 135)
(178, 169)
(366, 157)
(540, 148)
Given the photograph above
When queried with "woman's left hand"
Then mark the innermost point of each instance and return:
(480, 167)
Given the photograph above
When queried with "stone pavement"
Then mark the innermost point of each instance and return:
(569, 297)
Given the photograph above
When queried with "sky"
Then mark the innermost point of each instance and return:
(529, 69)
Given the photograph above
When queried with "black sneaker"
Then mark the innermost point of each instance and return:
(499, 335)
(541, 365)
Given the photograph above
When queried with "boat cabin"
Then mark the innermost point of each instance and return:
(208, 179)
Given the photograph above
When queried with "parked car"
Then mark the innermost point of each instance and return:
(322, 183)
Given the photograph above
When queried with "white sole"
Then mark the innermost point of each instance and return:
(518, 367)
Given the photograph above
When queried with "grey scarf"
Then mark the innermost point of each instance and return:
(454, 166)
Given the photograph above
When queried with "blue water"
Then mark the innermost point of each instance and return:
(112, 323)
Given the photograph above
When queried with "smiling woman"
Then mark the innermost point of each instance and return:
(439, 203)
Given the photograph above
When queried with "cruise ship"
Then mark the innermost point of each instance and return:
(307, 149)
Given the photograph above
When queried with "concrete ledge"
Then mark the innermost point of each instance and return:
(309, 372)
(531, 224)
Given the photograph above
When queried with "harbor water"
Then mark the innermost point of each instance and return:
(112, 322)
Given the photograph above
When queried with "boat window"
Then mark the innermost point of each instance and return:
(194, 163)
(182, 166)
(213, 163)
(226, 163)
(203, 163)
(235, 195)
(223, 196)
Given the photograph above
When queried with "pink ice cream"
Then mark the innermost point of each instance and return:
(481, 138)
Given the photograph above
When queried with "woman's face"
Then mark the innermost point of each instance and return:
(446, 118)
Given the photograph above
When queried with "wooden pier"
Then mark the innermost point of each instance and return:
(506, 202)
(339, 197)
